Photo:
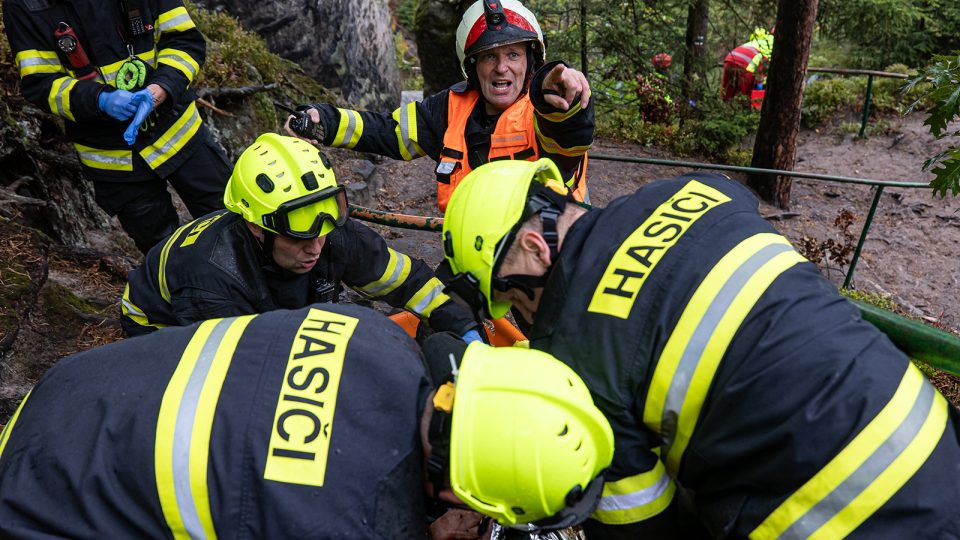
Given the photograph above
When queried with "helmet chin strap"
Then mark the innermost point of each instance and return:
(549, 205)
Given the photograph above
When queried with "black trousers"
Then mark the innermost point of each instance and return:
(144, 207)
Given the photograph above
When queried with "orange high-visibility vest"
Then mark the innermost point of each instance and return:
(513, 138)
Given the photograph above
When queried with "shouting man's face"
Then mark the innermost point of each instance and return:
(501, 72)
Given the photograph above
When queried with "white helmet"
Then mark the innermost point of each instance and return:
(492, 23)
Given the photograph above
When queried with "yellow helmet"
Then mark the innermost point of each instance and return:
(482, 216)
(286, 186)
(527, 444)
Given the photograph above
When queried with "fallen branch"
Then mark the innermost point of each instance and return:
(781, 216)
(235, 92)
(213, 107)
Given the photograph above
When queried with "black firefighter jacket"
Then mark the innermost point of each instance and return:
(729, 366)
(214, 267)
(171, 47)
(291, 424)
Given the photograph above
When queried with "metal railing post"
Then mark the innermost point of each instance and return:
(866, 105)
(863, 237)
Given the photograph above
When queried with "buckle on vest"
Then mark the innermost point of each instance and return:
(445, 169)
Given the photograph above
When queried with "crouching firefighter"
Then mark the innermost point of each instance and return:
(725, 362)
(312, 423)
(284, 241)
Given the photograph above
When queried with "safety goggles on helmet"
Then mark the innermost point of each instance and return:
(310, 216)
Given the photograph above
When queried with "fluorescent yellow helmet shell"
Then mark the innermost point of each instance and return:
(525, 432)
(486, 205)
(277, 170)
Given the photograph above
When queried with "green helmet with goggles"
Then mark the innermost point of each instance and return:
(527, 444)
(483, 215)
(286, 186)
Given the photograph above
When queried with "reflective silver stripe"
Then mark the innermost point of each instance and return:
(680, 384)
(351, 126)
(425, 302)
(132, 309)
(187, 126)
(179, 19)
(184, 429)
(34, 61)
(405, 129)
(107, 160)
(742, 56)
(636, 499)
(394, 277)
(869, 471)
(64, 86)
(180, 61)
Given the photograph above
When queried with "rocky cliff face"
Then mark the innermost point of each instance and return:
(436, 34)
(345, 44)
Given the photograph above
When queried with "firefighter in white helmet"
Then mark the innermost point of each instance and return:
(513, 105)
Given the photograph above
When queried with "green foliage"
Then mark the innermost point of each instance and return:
(720, 132)
(405, 12)
(943, 76)
(410, 77)
(624, 123)
(874, 299)
(882, 32)
(235, 57)
(825, 97)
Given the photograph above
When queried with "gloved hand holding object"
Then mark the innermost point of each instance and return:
(117, 104)
(143, 100)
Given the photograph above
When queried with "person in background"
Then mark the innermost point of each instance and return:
(748, 399)
(513, 105)
(744, 69)
(284, 241)
(118, 75)
(313, 423)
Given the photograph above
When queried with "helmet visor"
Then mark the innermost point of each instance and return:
(310, 216)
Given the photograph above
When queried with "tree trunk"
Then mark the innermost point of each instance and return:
(776, 143)
(691, 86)
(583, 37)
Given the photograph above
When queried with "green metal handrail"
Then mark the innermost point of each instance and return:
(869, 95)
(919, 341)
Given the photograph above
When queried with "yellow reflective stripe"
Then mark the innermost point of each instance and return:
(552, 146)
(175, 20)
(5, 434)
(427, 299)
(32, 62)
(180, 61)
(636, 498)
(869, 470)
(349, 129)
(111, 160)
(164, 253)
(406, 119)
(134, 313)
(700, 339)
(59, 97)
(184, 425)
(396, 272)
(178, 135)
(560, 116)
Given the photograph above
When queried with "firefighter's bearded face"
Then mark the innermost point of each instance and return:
(501, 72)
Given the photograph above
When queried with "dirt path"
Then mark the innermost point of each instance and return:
(911, 253)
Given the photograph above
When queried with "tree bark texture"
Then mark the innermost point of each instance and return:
(691, 86)
(776, 144)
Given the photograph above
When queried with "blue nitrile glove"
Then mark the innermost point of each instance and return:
(144, 103)
(471, 336)
(117, 104)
